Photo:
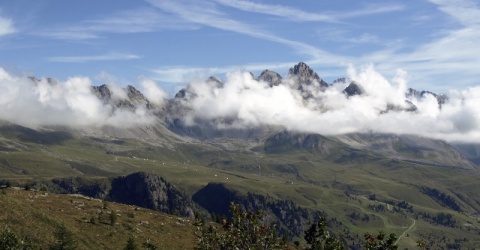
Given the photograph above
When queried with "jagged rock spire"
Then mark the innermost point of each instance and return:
(305, 75)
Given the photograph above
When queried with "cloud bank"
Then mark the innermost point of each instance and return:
(45, 102)
(243, 102)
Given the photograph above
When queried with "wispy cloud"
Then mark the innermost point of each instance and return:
(277, 10)
(194, 13)
(6, 26)
(449, 55)
(369, 10)
(131, 21)
(338, 35)
(305, 16)
(465, 11)
(83, 59)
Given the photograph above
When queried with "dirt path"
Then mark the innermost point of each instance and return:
(399, 238)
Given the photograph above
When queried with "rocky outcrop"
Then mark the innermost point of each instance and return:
(408, 107)
(413, 93)
(150, 191)
(135, 99)
(292, 219)
(270, 77)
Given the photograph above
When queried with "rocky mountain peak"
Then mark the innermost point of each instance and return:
(103, 93)
(271, 77)
(181, 94)
(413, 93)
(215, 81)
(353, 89)
(134, 93)
(305, 75)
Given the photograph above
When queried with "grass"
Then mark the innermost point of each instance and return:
(37, 215)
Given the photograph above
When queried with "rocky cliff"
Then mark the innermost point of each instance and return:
(150, 191)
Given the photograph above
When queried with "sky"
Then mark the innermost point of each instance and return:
(174, 42)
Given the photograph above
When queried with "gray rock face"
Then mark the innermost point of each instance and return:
(410, 107)
(150, 191)
(103, 93)
(441, 98)
(353, 89)
(135, 98)
(217, 82)
(305, 75)
(181, 94)
(271, 77)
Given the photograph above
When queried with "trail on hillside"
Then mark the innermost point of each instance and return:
(403, 234)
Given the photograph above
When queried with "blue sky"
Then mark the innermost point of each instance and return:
(173, 42)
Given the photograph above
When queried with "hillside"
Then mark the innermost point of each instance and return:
(39, 214)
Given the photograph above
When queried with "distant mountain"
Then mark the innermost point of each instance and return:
(171, 120)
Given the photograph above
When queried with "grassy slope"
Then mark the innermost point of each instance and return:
(38, 215)
(340, 189)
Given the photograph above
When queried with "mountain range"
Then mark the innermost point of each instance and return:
(244, 139)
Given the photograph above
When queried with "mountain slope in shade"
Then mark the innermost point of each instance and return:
(150, 191)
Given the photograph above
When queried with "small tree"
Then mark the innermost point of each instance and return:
(380, 241)
(113, 218)
(318, 237)
(244, 230)
(63, 240)
(131, 244)
(9, 241)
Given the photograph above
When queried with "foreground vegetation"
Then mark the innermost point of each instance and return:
(246, 230)
(50, 221)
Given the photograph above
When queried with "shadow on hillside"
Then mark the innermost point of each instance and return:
(34, 136)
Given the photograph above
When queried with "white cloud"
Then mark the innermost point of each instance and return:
(69, 103)
(243, 102)
(277, 10)
(304, 16)
(6, 26)
(465, 11)
(153, 92)
(132, 21)
(104, 57)
(369, 10)
(449, 58)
